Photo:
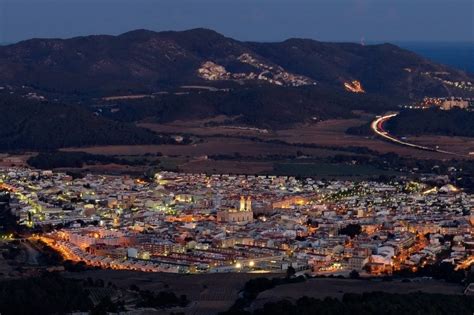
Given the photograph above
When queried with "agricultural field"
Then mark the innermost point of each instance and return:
(217, 147)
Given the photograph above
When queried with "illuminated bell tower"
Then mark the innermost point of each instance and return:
(116, 219)
(242, 203)
(248, 204)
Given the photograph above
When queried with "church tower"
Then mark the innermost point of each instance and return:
(242, 203)
(248, 204)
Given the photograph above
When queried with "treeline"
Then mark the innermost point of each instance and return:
(7, 218)
(58, 159)
(461, 176)
(455, 122)
(254, 287)
(363, 130)
(351, 230)
(441, 271)
(369, 303)
(51, 293)
(261, 106)
(34, 125)
(161, 299)
(351, 149)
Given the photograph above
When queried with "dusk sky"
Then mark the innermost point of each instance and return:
(264, 20)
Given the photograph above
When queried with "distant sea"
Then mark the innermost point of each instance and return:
(459, 55)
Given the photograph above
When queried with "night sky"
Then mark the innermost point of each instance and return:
(263, 20)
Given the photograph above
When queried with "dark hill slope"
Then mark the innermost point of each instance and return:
(137, 60)
(434, 121)
(150, 61)
(27, 124)
(385, 69)
(268, 106)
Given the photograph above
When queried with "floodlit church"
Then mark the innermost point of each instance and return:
(242, 215)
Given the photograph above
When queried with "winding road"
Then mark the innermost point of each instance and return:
(377, 128)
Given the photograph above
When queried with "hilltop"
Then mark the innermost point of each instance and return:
(92, 90)
(147, 61)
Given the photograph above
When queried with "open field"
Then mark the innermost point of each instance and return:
(325, 133)
(462, 145)
(326, 287)
(198, 127)
(251, 157)
(19, 160)
(250, 151)
(332, 133)
(315, 169)
(209, 146)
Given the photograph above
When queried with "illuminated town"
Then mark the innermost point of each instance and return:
(443, 103)
(197, 223)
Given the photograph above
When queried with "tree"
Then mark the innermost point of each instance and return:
(351, 230)
(290, 272)
(354, 274)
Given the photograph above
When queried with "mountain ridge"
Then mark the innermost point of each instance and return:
(144, 60)
(92, 90)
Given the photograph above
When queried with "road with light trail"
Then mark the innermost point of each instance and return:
(377, 128)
